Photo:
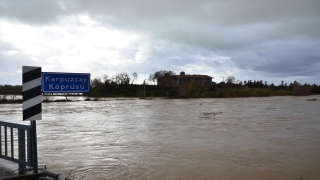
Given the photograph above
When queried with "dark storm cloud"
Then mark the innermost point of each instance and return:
(31, 12)
(284, 58)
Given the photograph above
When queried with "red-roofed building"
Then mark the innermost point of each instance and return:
(183, 78)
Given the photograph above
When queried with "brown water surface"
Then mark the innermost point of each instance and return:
(240, 138)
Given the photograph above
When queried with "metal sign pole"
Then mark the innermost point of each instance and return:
(31, 105)
(34, 146)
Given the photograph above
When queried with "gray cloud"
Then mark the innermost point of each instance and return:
(31, 12)
(258, 39)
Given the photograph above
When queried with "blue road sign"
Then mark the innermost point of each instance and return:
(56, 82)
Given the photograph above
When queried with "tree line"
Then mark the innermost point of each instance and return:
(10, 90)
(122, 85)
(160, 84)
(256, 88)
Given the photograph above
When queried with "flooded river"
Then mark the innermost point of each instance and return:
(239, 138)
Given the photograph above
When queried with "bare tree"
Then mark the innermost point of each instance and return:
(230, 80)
(122, 78)
(106, 78)
(164, 77)
(94, 82)
(135, 77)
(152, 79)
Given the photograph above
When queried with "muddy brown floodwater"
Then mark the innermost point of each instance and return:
(240, 138)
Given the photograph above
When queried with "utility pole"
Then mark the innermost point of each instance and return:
(144, 83)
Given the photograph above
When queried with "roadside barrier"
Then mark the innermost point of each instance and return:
(23, 144)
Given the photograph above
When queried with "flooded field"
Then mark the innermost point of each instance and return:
(240, 138)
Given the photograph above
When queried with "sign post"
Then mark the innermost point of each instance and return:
(34, 83)
(31, 105)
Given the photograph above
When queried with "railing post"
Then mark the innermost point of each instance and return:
(12, 151)
(5, 141)
(0, 141)
(29, 147)
(22, 148)
(34, 146)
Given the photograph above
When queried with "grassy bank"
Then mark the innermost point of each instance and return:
(19, 101)
(245, 92)
(10, 101)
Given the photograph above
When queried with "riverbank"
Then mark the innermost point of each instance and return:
(19, 101)
(14, 101)
(203, 96)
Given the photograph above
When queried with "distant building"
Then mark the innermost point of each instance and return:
(183, 78)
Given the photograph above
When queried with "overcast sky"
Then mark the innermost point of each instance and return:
(269, 40)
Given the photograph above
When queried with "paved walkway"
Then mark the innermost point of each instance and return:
(10, 171)
(7, 168)
(9, 175)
